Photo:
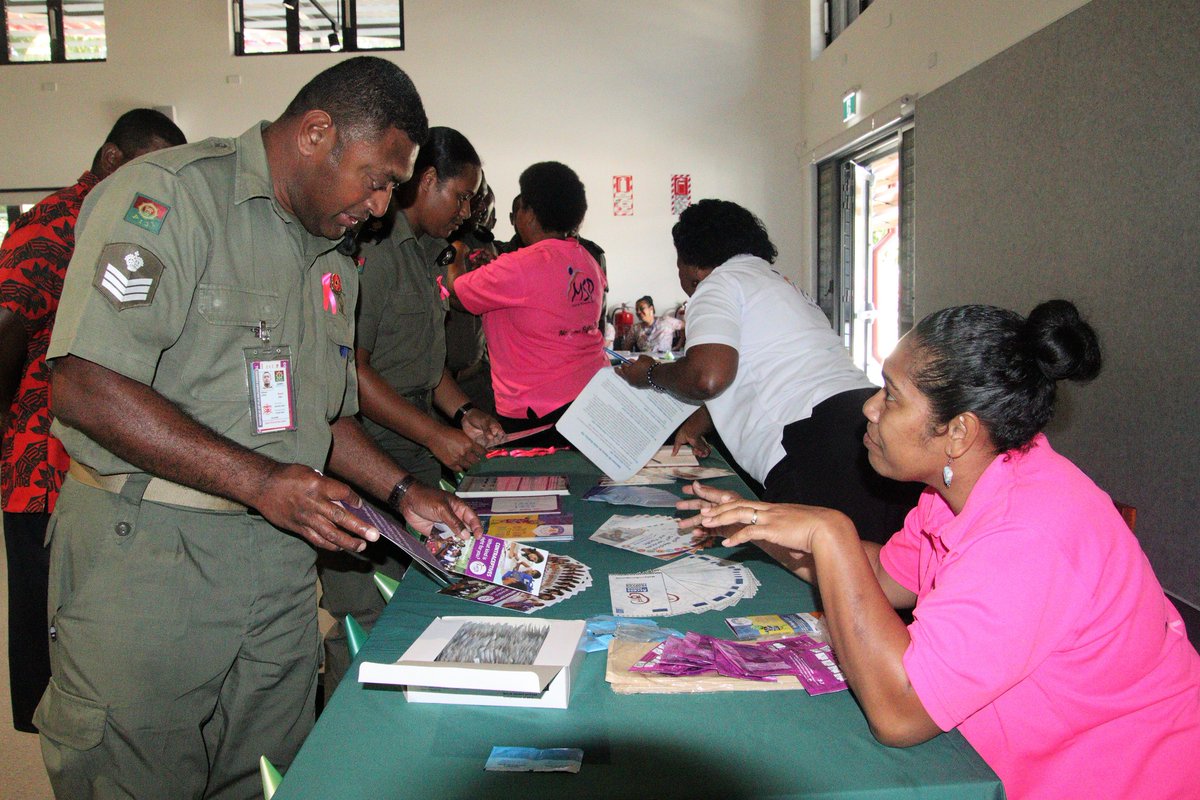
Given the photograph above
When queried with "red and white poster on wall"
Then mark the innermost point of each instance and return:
(681, 193)
(622, 195)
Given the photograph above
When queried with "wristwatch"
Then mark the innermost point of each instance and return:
(462, 412)
(398, 491)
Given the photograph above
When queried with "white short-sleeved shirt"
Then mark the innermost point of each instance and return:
(789, 358)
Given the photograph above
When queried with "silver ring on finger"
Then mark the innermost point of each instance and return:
(754, 517)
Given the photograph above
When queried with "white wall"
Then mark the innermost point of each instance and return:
(645, 88)
(725, 90)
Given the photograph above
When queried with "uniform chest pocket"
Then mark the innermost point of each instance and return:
(233, 315)
(341, 330)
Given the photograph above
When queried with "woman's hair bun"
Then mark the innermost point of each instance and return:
(1061, 342)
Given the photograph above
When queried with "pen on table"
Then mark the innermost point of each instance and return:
(618, 356)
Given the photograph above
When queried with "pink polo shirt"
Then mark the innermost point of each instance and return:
(540, 307)
(1042, 634)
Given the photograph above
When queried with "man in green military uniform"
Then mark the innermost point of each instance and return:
(401, 359)
(203, 381)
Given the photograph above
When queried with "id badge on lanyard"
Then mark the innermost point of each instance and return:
(272, 388)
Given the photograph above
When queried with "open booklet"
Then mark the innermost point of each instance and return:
(619, 427)
(445, 553)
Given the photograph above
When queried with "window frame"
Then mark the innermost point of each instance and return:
(347, 32)
(839, 14)
(57, 26)
(836, 231)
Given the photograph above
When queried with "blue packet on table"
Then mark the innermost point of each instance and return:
(532, 759)
(603, 627)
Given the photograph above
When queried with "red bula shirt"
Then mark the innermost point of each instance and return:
(33, 262)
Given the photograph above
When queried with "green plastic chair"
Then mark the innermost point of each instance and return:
(270, 777)
(386, 586)
(355, 635)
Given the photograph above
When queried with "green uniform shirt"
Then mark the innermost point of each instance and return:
(402, 317)
(179, 257)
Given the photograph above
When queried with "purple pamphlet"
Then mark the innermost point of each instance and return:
(410, 544)
(498, 561)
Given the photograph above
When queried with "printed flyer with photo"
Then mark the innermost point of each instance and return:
(498, 561)
(531, 527)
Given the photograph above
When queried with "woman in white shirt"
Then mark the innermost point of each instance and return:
(773, 377)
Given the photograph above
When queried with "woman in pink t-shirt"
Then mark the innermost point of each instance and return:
(540, 304)
(1039, 629)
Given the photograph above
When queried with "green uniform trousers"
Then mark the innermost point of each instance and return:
(184, 646)
(348, 579)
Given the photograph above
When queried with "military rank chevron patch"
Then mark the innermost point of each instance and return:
(127, 275)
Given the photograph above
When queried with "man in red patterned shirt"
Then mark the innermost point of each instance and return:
(33, 260)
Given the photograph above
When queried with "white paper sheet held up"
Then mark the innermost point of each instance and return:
(619, 427)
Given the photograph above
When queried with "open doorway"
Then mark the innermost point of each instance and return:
(865, 250)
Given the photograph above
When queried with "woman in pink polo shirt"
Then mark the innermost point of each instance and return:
(540, 304)
(1039, 629)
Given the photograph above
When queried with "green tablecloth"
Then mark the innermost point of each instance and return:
(371, 743)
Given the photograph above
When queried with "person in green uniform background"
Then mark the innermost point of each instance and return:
(466, 347)
(183, 626)
(401, 359)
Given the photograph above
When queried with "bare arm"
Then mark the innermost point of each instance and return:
(481, 427)
(464, 261)
(692, 432)
(14, 349)
(702, 374)
(357, 458)
(382, 404)
(170, 444)
(867, 635)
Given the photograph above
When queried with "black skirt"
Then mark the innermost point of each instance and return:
(826, 465)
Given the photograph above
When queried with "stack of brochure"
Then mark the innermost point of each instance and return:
(692, 585)
(534, 504)
(655, 536)
(486, 558)
(512, 485)
(564, 578)
(531, 527)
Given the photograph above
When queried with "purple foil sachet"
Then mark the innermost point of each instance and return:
(810, 661)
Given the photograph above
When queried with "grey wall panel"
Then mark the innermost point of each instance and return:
(1069, 166)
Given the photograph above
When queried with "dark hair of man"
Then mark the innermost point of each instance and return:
(555, 195)
(1001, 366)
(364, 96)
(448, 152)
(137, 128)
(644, 301)
(713, 231)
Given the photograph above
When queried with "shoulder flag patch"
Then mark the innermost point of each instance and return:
(127, 275)
(147, 213)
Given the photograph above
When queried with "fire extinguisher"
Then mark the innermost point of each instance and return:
(623, 324)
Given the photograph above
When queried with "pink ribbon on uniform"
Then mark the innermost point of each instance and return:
(331, 296)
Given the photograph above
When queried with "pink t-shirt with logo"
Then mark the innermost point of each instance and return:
(1042, 634)
(540, 307)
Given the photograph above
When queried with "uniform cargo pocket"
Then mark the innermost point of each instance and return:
(69, 719)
